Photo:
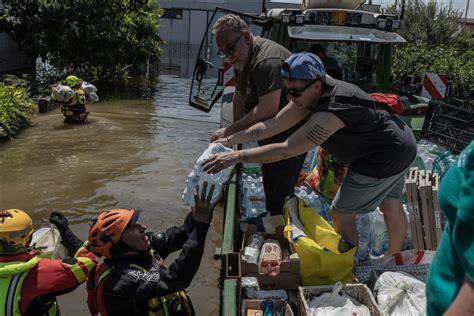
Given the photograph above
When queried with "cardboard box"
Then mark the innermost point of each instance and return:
(289, 277)
(252, 307)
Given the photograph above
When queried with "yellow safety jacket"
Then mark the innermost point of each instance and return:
(12, 276)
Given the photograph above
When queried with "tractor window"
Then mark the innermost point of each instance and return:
(349, 61)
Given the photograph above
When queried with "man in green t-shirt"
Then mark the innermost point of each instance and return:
(258, 96)
(450, 283)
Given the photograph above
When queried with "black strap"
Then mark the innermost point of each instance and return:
(357, 101)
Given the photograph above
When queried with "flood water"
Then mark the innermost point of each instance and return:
(133, 153)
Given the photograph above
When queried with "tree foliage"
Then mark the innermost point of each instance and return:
(437, 42)
(92, 37)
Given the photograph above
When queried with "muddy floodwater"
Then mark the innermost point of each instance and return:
(135, 152)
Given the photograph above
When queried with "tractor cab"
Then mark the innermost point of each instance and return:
(355, 45)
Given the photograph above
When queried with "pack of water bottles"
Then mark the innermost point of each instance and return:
(198, 176)
(251, 196)
(315, 200)
(373, 236)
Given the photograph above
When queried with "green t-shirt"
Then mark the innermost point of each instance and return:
(454, 259)
(262, 73)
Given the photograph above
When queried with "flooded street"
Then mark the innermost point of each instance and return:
(133, 153)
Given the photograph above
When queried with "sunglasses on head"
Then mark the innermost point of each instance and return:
(298, 92)
(230, 49)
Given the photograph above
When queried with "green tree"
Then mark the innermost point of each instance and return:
(90, 37)
(437, 42)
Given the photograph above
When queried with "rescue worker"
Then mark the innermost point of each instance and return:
(74, 109)
(29, 284)
(133, 280)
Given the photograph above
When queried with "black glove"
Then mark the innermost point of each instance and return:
(68, 238)
(59, 220)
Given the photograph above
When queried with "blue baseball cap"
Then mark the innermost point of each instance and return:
(306, 66)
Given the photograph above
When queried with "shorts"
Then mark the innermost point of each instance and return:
(362, 194)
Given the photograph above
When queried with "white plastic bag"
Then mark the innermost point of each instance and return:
(48, 241)
(400, 294)
(62, 93)
(92, 97)
(198, 176)
(336, 304)
(88, 88)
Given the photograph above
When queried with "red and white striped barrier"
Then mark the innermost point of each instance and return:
(434, 86)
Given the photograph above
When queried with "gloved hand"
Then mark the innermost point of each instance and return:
(68, 238)
(59, 220)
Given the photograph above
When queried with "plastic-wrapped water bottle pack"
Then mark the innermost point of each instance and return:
(252, 196)
(312, 199)
(198, 176)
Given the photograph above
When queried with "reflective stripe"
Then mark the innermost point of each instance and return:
(10, 304)
(87, 262)
(165, 305)
(53, 311)
(76, 269)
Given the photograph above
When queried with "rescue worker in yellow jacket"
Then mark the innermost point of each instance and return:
(74, 109)
(133, 279)
(29, 284)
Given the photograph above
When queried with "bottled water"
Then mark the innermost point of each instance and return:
(363, 229)
(314, 200)
(252, 250)
(378, 243)
(252, 201)
(198, 176)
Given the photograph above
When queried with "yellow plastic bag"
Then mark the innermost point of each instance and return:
(317, 245)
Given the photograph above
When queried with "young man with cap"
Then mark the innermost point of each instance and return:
(133, 280)
(377, 147)
(258, 96)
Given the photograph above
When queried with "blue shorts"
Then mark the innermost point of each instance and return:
(361, 194)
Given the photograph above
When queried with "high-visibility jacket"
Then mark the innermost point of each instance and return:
(29, 284)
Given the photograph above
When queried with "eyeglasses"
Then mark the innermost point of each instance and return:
(230, 49)
(298, 92)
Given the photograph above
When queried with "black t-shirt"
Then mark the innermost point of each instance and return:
(373, 143)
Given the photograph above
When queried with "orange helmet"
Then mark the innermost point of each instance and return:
(107, 228)
(16, 228)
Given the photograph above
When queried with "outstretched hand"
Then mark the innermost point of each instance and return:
(203, 209)
(219, 162)
(58, 219)
(220, 133)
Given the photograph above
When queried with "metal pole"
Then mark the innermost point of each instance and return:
(465, 15)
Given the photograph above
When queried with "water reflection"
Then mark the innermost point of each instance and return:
(134, 153)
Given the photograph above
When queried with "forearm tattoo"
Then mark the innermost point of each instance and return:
(318, 134)
(243, 156)
(255, 132)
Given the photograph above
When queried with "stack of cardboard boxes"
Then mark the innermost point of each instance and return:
(425, 214)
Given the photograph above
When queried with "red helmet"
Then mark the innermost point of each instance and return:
(107, 228)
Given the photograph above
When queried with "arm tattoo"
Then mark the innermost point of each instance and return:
(255, 132)
(243, 156)
(318, 134)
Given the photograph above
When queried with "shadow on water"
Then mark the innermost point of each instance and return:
(136, 152)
